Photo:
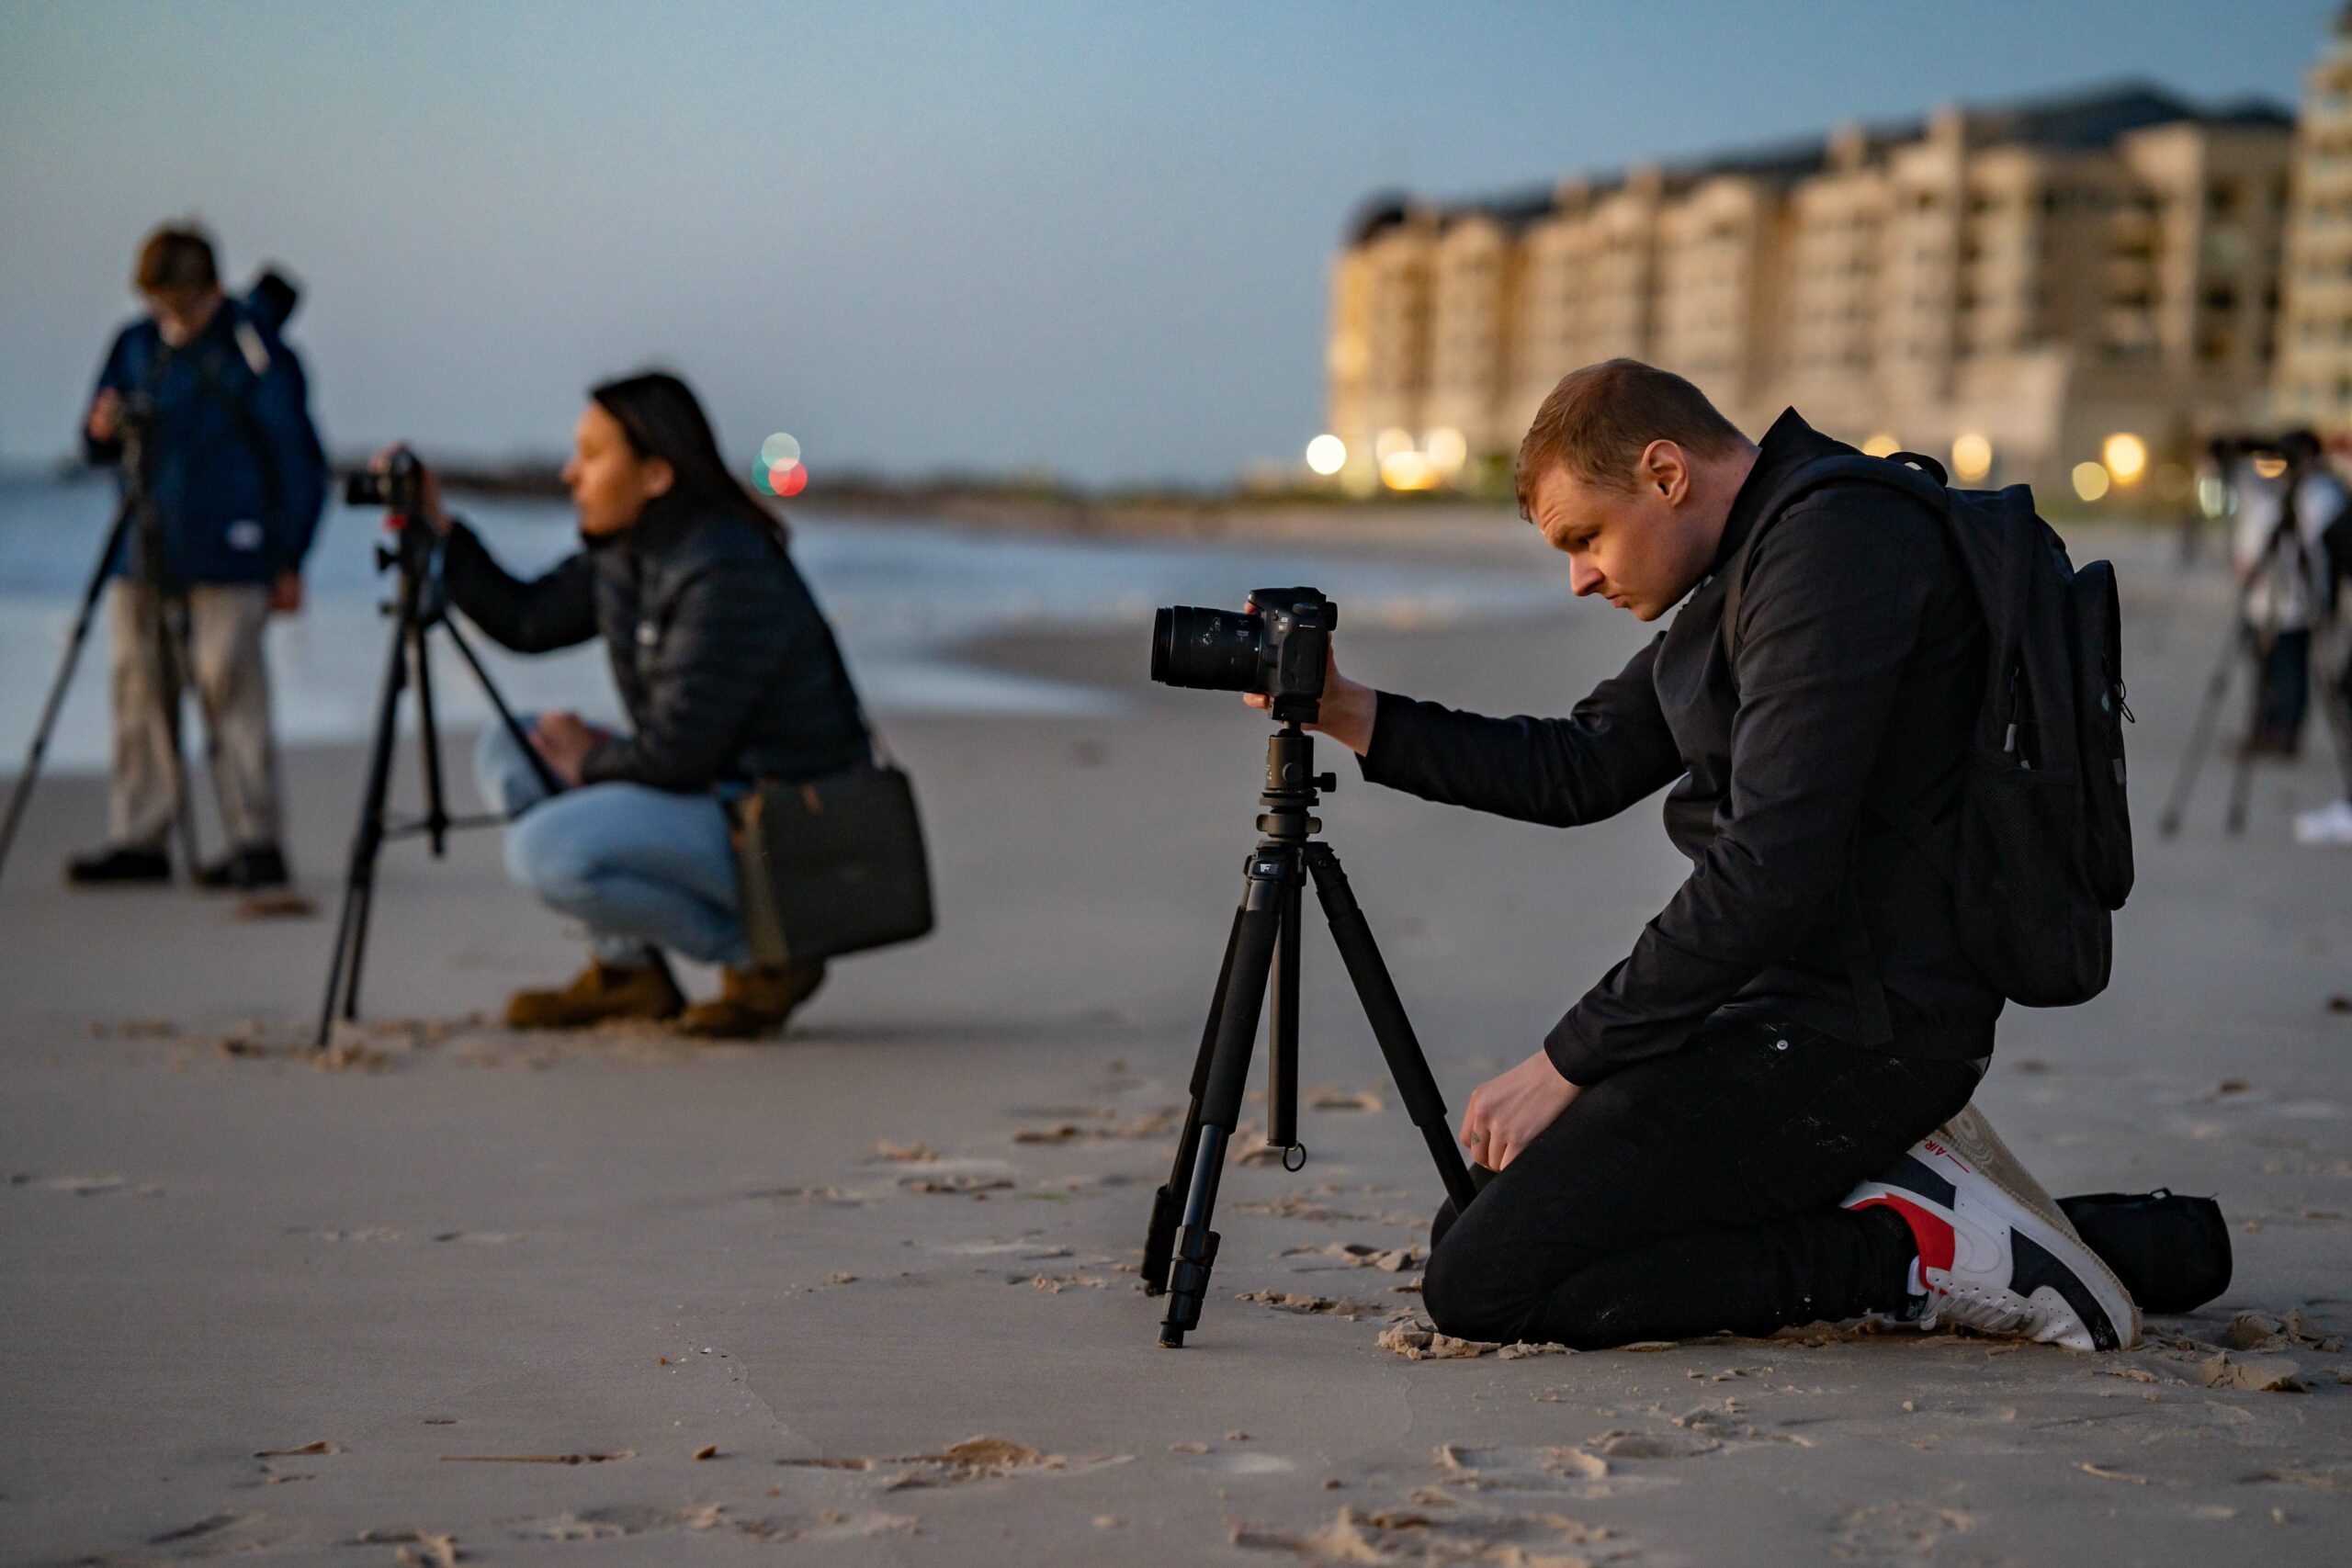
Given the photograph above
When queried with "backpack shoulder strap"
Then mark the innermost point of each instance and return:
(1914, 475)
(1922, 479)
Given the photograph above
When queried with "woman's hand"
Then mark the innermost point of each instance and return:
(1347, 709)
(1509, 1110)
(564, 739)
(428, 486)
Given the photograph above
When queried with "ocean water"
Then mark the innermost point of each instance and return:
(906, 596)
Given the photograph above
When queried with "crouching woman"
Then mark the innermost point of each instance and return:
(729, 673)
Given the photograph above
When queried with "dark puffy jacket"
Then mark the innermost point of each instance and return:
(724, 661)
(234, 466)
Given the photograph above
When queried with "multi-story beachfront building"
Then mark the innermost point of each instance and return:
(2315, 339)
(2009, 287)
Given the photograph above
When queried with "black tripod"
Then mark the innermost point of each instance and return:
(418, 603)
(1263, 951)
(135, 519)
(2247, 637)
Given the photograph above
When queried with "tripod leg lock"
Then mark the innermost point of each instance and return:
(1160, 1242)
(1188, 1284)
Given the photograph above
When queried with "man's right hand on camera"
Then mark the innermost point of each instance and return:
(428, 486)
(1347, 709)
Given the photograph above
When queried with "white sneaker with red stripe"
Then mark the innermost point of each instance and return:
(1996, 1253)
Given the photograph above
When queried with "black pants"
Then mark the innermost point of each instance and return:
(1695, 1193)
(2283, 689)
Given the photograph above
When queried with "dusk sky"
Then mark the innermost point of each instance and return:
(1093, 238)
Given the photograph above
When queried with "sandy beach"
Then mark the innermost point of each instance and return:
(453, 1294)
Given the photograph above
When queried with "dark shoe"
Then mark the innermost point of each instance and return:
(118, 867)
(601, 992)
(254, 869)
(752, 1002)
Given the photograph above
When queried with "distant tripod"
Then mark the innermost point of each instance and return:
(137, 522)
(2246, 634)
(419, 605)
(1263, 951)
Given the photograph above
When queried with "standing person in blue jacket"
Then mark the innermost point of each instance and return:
(235, 477)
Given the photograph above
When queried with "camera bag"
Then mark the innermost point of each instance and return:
(831, 866)
(2172, 1253)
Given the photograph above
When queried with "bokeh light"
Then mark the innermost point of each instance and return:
(2270, 467)
(1327, 454)
(760, 480)
(1407, 469)
(1882, 446)
(1447, 448)
(2090, 480)
(788, 479)
(779, 451)
(1971, 456)
(2126, 457)
(1391, 442)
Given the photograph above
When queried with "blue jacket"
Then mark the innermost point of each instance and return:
(235, 468)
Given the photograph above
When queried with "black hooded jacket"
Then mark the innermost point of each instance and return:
(1859, 666)
(724, 663)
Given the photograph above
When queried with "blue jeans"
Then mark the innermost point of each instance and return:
(640, 867)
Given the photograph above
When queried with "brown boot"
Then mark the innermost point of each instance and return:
(752, 1002)
(599, 992)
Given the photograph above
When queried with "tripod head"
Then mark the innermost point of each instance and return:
(1293, 788)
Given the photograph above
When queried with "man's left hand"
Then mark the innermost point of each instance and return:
(1509, 1110)
(285, 594)
(564, 739)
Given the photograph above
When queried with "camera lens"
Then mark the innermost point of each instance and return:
(1215, 650)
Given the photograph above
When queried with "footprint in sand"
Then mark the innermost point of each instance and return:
(87, 1186)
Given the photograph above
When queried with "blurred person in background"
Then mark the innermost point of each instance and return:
(2285, 502)
(2331, 825)
(235, 476)
(729, 674)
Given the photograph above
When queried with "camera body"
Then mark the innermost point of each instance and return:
(399, 488)
(1278, 648)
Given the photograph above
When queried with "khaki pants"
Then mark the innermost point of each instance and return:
(224, 624)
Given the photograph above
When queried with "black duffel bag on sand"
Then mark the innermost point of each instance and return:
(2172, 1253)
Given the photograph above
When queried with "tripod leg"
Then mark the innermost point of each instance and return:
(1407, 1066)
(359, 879)
(547, 780)
(1281, 1037)
(2201, 737)
(1167, 1207)
(2241, 788)
(1237, 1027)
(428, 744)
(20, 793)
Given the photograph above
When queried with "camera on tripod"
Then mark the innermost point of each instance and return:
(398, 487)
(1278, 648)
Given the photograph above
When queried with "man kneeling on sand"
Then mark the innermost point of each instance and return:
(1742, 1127)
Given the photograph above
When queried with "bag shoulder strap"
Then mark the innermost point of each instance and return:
(241, 414)
(1921, 477)
(1913, 474)
(877, 751)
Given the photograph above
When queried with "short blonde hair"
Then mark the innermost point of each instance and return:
(1597, 422)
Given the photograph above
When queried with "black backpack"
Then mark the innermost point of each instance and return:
(2040, 854)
